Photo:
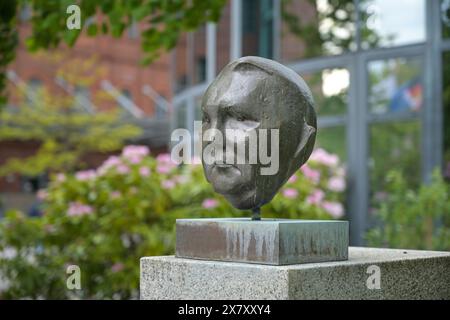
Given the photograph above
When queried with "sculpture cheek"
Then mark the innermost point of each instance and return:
(241, 124)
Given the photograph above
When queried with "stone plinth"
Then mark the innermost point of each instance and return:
(269, 241)
(403, 274)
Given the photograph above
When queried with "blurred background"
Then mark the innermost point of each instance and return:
(72, 99)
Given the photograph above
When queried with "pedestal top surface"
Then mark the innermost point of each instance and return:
(264, 220)
(356, 255)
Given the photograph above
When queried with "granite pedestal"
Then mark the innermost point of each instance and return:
(403, 274)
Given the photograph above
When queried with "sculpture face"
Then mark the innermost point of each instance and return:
(251, 94)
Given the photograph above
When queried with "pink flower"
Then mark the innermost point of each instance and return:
(165, 164)
(164, 169)
(447, 170)
(210, 203)
(316, 197)
(135, 151)
(381, 196)
(42, 194)
(117, 267)
(168, 184)
(340, 172)
(115, 194)
(134, 159)
(196, 160)
(85, 175)
(335, 209)
(112, 161)
(181, 179)
(144, 171)
(293, 178)
(78, 209)
(133, 190)
(135, 154)
(290, 193)
(336, 184)
(321, 156)
(163, 158)
(60, 177)
(123, 169)
(311, 174)
(49, 228)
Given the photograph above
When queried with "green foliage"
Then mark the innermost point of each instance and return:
(8, 42)
(446, 107)
(104, 220)
(320, 41)
(413, 218)
(163, 23)
(64, 133)
(395, 145)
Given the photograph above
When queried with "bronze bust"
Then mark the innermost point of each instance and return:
(251, 94)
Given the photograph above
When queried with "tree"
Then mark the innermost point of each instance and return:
(163, 21)
(8, 41)
(63, 130)
(332, 31)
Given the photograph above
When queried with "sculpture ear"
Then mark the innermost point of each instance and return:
(307, 133)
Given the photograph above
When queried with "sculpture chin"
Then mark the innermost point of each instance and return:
(239, 184)
(242, 201)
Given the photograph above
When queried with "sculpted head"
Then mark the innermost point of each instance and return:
(250, 94)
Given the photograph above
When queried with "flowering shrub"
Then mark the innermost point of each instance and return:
(104, 220)
(412, 218)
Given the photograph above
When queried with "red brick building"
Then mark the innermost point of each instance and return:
(147, 91)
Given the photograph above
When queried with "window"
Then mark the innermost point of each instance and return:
(366, 62)
(180, 116)
(316, 28)
(133, 31)
(201, 69)
(394, 146)
(181, 83)
(127, 94)
(445, 18)
(446, 107)
(395, 86)
(160, 108)
(330, 89)
(257, 28)
(82, 97)
(26, 12)
(383, 27)
(330, 92)
(34, 86)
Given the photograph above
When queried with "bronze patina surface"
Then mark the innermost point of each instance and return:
(250, 94)
(269, 241)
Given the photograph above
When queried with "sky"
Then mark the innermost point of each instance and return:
(403, 19)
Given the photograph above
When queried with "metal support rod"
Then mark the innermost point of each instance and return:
(256, 216)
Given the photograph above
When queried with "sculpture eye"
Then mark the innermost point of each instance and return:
(205, 118)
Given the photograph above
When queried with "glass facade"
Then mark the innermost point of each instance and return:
(446, 107)
(394, 145)
(316, 28)
(445, 18)
(383, 27)
(377, 73)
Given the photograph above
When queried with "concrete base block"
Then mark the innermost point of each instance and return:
(269, 241)
(368, 274)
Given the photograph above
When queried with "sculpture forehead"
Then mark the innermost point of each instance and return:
(233, 88)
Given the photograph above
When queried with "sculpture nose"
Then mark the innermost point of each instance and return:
(215, 131)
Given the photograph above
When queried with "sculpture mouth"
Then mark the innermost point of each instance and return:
(223, 165)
